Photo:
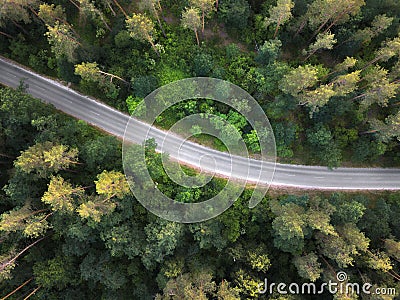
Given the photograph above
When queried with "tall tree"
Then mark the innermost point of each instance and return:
(88, 9)
(317, 98)
(50, 14)
(17, 11)
(141, 27)
(112, 184)
(379, 88)
(288, 227)
(279, 14)
(324, 40)
(327, 13)
(308, 266)
(378, 25)
(32, 223)
(154, 8)
(62, 40)
(347, 83)
(60, 193)
(45, 158)
(191, 20)
(388, 129)
(94, 208)
(91, 72)
(299, 79)
(388, 50)
(205, 6)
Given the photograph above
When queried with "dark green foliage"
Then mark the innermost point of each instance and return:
(202, 65)
(142, 86)
(234, 13)
(324, 146)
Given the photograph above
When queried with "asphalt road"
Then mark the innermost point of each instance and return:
(115, 122)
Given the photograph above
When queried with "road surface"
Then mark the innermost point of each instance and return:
(114, 122)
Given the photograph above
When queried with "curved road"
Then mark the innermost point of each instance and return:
(115, 122)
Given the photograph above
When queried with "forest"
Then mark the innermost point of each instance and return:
(327, 74)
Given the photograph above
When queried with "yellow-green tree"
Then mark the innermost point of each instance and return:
(324, 40)
(191, 20)
(30, 222)
(112, 184)
(49, 14)
(88, 9)
(109, 184)
(299, 79)
(279, 14)
(16, 11)
(60, 193)
(45, 158)
(91, 72)
(326, 13)
(154, 8)
(206, 7)
(141, 27)
(62, 40)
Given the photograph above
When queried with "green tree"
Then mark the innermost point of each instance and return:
(388, 129)
(234, 13)
(337, 249)
(393, 248)
(279, 14)
(326, 13)
(162, 239)
(299, 79)
(141, 27)
(88, 9)
(191, 20)
(318, 215)
(112, 184)
(324, 40)
(269, 52)
(45, 158)
(58, 272)
(205, 6)
(324, 146)
(62, 40)
(308, 266)
(379, 88)
(16, 11)
(59, 195)
(354, 236)
(196, 286)
(379, 24)
(154, 8)
(288, 227)
(203, 64)
(389, 49)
